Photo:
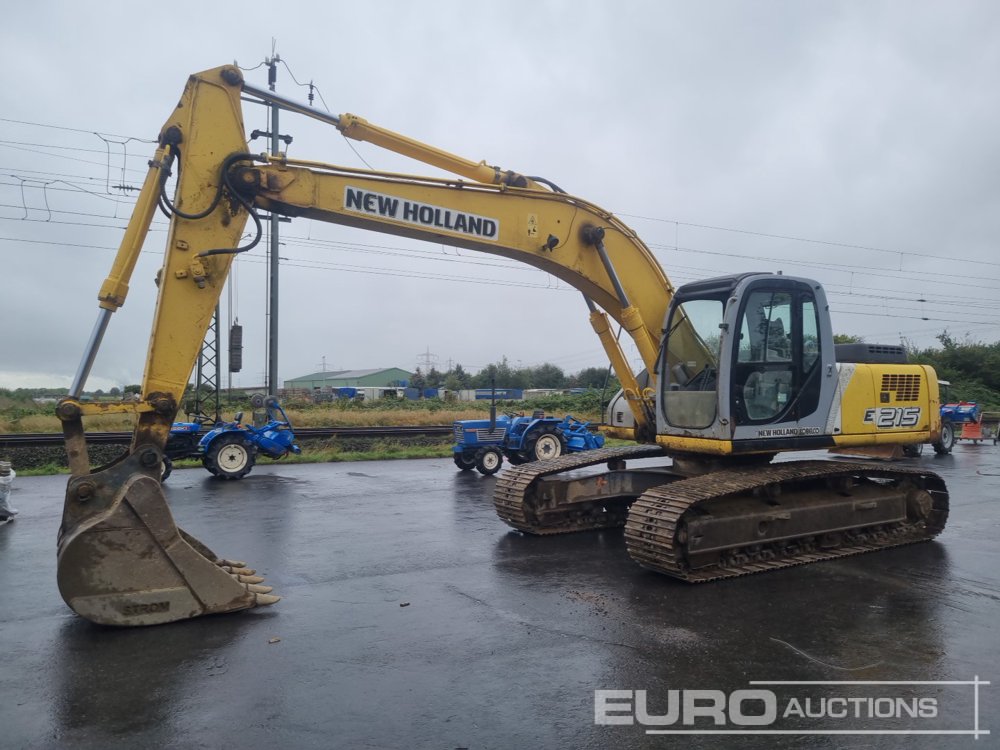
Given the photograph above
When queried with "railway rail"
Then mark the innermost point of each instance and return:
(43, 439)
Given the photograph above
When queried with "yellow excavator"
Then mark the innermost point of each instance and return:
(736, 370)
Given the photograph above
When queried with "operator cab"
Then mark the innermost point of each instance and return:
(743, 360)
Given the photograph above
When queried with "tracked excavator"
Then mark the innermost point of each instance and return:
(735, 372)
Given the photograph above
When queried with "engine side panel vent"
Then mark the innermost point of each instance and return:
(905, 387)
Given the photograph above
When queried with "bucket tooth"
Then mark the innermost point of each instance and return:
(248, 579)
(238, 571)
(123, 560)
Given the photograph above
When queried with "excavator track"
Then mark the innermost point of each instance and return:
(667, 524)
(519, 504)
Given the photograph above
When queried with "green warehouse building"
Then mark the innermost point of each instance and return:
(380, 378)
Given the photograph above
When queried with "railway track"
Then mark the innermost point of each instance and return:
(43, 439)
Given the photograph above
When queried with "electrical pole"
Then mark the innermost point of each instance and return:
(272, 354)
(427, 359)
(207, 381)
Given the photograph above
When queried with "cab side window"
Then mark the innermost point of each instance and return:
(778, 349)
(810, 335)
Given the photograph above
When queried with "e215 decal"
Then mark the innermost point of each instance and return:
(893, 416)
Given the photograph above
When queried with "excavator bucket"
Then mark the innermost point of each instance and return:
(123, 561)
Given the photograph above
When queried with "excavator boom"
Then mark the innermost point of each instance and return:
(122, 559)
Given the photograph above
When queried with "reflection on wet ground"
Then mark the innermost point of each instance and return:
(414, 618)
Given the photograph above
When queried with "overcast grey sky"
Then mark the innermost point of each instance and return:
(852, 142)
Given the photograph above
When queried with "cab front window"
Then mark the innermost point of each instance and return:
(689, 375)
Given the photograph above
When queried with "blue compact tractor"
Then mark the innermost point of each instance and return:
(962, 412)
(230, 449)
(483, 444)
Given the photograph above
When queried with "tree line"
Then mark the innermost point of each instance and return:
(972, 368)
(503, 375)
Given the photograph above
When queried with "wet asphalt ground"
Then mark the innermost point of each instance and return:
(414, 618)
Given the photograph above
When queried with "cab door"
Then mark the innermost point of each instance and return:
(776, 359)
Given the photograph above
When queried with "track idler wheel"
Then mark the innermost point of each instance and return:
(123, 561)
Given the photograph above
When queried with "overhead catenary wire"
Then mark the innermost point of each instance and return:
(501, 262)
(415, 253)
(829, 243)
(676, 222)
(399, 251)
(75, 130)
(624, 214)
(77, 184)
(826, 264)
(395, 273)
(395, 251)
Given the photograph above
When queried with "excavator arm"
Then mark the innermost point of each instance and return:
(122, 559)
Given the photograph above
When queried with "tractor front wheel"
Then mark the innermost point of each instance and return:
(230, 457)
(489, 461)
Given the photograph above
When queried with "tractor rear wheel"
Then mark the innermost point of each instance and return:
(546, 443)
(230, 456)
